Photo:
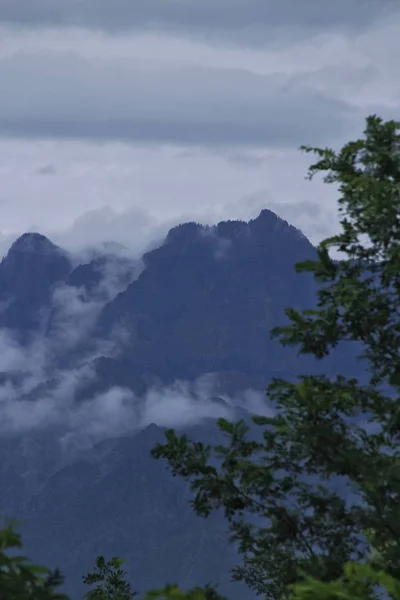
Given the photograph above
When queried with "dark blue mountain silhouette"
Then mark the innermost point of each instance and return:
(204, 303)
(28, 272)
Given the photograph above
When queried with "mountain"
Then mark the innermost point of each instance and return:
(95, 346)
(31, 268)
(127, 504)
(206, 303)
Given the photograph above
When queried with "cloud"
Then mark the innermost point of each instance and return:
(114, 412)
(48, 169)
(13, 357)
(134, 229)
(73, 317)
(177, 181)
(105, 189)
(71, 97)
(248, 159)
(209, 98)
(65, 344)
(222, 247)
(117, 411)
(40, 382)
(19, 415)
(74, 311)
(236, 21)
(134, 195)
(310, 216)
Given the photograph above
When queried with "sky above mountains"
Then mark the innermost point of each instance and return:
(119, 119)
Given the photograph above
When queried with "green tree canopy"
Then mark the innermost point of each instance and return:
(110, 579)
(20, 579)
(325, 431)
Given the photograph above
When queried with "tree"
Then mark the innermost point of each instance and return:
(111, 580)
(326, 431)
(358, 582)
(173, 592)
(20, 580)
(113, 585)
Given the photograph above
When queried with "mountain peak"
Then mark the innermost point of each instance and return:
(267, 218)
(184, 231)
(31, 267)
(268, 221)
(34, 243)
(266, 213)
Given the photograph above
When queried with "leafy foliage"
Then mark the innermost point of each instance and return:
(172, 592)
(112, 585)
(322, 489)
(359, 582)
(111, 580)
(20, 580)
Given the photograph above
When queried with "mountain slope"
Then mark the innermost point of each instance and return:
(117, 500)
(204, 303)
(32, 266)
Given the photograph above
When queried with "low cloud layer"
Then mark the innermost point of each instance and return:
(39, 391)
(116, 411)
(135, 229)
(67, 324)
(82, 98)
(239, 21)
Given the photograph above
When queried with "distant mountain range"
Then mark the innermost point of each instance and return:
(99, 347)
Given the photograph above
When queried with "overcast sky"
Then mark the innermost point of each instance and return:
(119, 117)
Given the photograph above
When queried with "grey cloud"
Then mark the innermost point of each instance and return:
(240, 157)
(116, 411)
(313, 217)
(113, 412)
(71, 97)
(74, 312)
(134, 229)
(245, 159)
(249, 21)
(48, 169)
(73, 315)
